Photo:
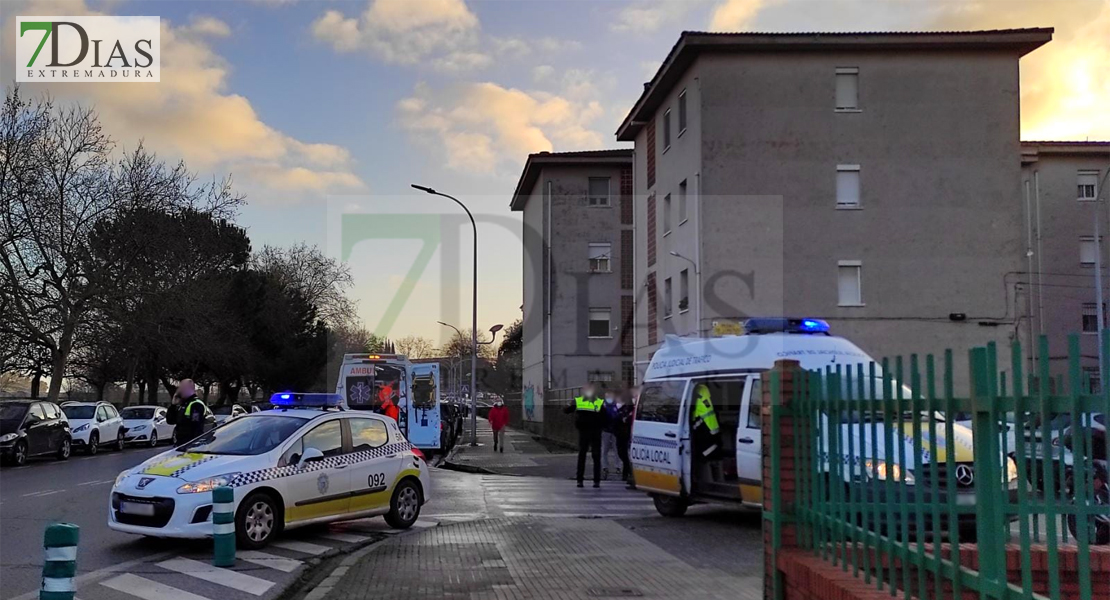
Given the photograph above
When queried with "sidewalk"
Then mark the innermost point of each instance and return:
(525, 454)
(535, 559)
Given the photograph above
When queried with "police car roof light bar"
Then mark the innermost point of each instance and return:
(301, 400)
(786, 325)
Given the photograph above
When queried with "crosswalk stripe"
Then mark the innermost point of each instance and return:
(302, 547)
(220, 576)
(146, 589)
(346, 538)
(272, 561)
(510, 513)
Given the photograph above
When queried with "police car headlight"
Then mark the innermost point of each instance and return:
(138, 428)
(7, 437)
(119, 478)
(880, 470)
(206, 485)
(81, 428)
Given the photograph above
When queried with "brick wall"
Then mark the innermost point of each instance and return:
(626, 196)
(650, 153)
(805, 576)
(626, 325)
(628, 276)
(651, 229)
(652, 325)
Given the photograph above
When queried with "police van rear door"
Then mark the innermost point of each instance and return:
(659, 451)
(424, 411)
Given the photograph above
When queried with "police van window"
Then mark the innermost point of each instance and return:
(326, 437)
(367, 434)
(659, 402)
(755, 405)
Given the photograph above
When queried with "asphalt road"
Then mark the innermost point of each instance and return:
(116, 566)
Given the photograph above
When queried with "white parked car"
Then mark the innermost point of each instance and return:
(147, 425)
(228, 412)
(94, 424)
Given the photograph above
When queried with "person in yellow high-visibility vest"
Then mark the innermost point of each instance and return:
(707, 431)
(588, 420)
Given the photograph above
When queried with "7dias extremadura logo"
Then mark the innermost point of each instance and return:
(88, 49)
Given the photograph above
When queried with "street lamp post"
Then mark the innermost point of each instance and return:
(473, 318)
(697, 277)
(455, 365)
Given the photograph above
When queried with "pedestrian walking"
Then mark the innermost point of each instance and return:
(625, 415)
(588, 422)
(609, 433)
(498, 419)
(190, 411)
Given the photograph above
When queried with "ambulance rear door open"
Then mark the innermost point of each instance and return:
(424, 417)
(660, 450)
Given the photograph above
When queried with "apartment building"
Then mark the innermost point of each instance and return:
(871, 179)
(1064, 191)
(578, 274)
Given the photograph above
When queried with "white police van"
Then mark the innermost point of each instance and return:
(663, 447)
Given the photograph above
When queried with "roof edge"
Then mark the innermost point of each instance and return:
(537, 160)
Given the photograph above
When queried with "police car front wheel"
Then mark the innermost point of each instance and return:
(404, 507)
(258, 520)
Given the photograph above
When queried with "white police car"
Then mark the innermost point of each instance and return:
(301, 463)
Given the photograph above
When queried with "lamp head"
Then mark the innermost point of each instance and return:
(423, 188)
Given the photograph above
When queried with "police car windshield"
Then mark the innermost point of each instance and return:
(246, 436)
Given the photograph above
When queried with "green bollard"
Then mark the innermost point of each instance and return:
(223, 525)
(59, 566)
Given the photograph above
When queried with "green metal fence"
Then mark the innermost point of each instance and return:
(892, 467)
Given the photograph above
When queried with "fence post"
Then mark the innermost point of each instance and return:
(59, 566)
(989, 499)
(779, 472)
(223, 526)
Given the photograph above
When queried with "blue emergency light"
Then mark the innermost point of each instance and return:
(301, 400)
(786, 325)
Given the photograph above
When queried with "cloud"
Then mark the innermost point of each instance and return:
(483, 126)
(193, 116)
(458, 62)
(735, 15)
(542, 73)
(1065, 84)
(401, 31)
(650, 16)
(210, 26)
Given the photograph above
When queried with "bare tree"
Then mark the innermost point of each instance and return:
(321, 280)
(414, 346)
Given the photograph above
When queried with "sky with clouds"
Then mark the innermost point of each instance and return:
(320, 108)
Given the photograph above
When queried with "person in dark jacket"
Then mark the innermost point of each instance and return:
(588, 420)
(190, 412)
(626, 413)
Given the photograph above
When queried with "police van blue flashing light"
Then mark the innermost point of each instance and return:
(786, 325)
(300, 400)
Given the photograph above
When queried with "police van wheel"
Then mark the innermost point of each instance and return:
(404, 507)
(669, 506)
(258, 520)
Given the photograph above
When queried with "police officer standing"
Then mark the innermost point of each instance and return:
(190, 412)
(588, 420)
(707, 434)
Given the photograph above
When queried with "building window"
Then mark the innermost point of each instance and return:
(599, 376)
(667, 215)
(599, 191)
(666, 130)
(668, 296)
(1092, 380)
(681, 112)
(682, 218)
(1090, 317)
(847, 186)
(1087, 251)
(1088, 181)
(850, 282)
(599, 323)
(600, 253)
(684, 290)
(847, 88)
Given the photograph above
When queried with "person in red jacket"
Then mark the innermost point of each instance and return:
(498, 419)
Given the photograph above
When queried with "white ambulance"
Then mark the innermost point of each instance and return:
(366, 381)
(663, 447)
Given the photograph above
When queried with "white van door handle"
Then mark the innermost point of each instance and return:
(670, 434)
(746, 440)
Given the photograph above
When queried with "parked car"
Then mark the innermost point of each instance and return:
(228, 412)
(94, 424)
(33, 428)
(147, 425)
(1098, 526)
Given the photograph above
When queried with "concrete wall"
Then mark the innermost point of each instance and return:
(1065, 285)
(940, 222)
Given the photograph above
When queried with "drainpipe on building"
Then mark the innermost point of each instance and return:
(697, 248)
(1099, 310)
(1029, 284)
(1040, 258)
(547, 292)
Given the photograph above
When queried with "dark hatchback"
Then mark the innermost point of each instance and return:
(31, 428)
